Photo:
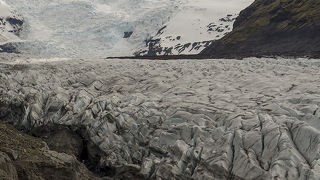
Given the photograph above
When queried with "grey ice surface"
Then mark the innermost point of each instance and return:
(200, 119)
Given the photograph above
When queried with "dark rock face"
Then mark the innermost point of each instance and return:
(74, 141)
(155, 48)
(7, 169)
(9, 48)
(16, 23)
(28, 158)
(273, 27)
(60, 138)
(127, 34)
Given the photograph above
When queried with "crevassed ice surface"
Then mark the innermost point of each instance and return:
(90, 27)
(208, 119)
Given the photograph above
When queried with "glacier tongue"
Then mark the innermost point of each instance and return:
(186, 119)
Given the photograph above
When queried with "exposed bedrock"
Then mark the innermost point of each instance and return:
(272, 27)
(248, 119)
(28, 158)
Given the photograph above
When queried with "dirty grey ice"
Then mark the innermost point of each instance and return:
(184, 119)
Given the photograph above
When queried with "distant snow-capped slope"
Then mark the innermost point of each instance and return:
(10, 25)
(91, 28)
(194, 27)
(100, 28)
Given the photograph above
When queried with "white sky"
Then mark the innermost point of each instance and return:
(4, 9)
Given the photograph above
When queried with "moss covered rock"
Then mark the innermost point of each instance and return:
(26, 157)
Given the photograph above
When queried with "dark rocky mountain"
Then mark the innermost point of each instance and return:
(154, 48)
(273, 27)
(8, 48)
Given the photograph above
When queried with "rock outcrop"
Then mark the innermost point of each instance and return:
(250, 119)
(273, 27)
(26, 157)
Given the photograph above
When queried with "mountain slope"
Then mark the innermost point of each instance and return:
(194, 27)
(282, 27)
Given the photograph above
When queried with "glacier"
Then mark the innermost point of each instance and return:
(257, 118)
(181, 119)
(69, 28)
(96, 28)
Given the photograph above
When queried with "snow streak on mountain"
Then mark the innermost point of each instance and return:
(194, 27)
(100, 28)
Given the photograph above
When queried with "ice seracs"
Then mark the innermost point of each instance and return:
(90, 28)
(10, 24)
(185, 119)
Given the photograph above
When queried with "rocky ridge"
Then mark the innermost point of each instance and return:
(222, 119)
(26, 157)
(273, 27)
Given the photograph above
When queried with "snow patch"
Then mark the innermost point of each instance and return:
(198, 22)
